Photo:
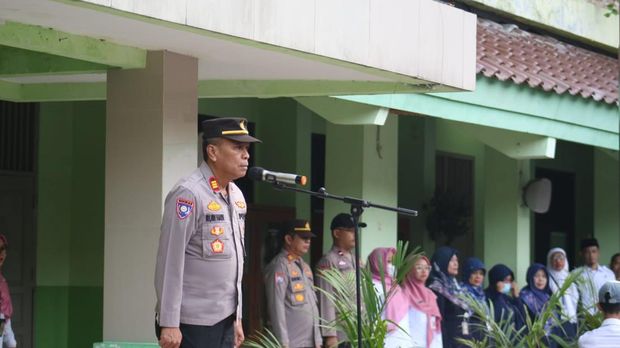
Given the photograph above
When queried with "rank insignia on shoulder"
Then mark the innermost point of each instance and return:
(214, 185)
(214, 217)
(299, 297)
(217, 231)
(217, 246)
(298, 286)
(184, 208)
(279, 278)
(295, 274)
(240, 204)
(213, 206)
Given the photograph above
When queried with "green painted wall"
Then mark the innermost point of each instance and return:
(416, 173)
(451, 139)
(606, 204)
(520, 108)
(69, 297)
(355, 167)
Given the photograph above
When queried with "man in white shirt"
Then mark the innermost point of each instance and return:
(593, 275)
(608, 335)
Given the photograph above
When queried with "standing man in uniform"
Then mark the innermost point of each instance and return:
(340, 257)
(289, 283)
(201, 248)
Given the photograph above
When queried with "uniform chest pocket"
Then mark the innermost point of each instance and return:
(298, 293)
(216, 242)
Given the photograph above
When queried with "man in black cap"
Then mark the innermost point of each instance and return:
(291, 300)
(201, 248)
(339, 257)
(593, 275)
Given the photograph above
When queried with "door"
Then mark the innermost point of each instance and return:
(16, 222)
(556, 228)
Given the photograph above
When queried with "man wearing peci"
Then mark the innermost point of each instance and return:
(201, 247)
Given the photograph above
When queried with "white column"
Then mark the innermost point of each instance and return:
(150, 143)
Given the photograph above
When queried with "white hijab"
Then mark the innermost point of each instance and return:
(571, 296)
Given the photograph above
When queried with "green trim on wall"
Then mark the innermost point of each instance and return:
(513, 107)
(46, 40)
(20, 62)
(77, 91)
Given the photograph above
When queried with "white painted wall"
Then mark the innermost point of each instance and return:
(423, 39)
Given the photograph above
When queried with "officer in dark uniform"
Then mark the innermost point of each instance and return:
(200, 257)
(291, 300)
(339, 257)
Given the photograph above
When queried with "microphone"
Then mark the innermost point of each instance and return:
(260, 174)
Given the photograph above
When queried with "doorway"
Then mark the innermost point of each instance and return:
(556, 228)
(17, 210)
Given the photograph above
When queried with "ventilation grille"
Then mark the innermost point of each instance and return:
(17, 136)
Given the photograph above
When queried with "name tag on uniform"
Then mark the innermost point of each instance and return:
(214, 217)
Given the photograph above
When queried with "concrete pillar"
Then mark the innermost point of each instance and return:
(150, 143)
(362, 161)
(506, 219)
(606, 204)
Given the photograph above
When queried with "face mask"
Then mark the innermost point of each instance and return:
(506, 288)
(391, 270)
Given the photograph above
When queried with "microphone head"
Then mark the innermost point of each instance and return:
(255, 173)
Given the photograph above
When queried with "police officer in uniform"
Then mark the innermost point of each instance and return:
(291, 299)
(339, 257)
(201, 248)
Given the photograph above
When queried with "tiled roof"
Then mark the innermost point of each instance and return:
(507, 52)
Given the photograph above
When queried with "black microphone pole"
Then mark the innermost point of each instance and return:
(357, 208)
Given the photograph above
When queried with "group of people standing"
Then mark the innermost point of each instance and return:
(201, 255)
(432, 310)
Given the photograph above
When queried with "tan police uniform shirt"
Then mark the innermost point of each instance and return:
(343, 261)
(292, 302)
(201, 252)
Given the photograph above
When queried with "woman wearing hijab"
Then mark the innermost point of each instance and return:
(473, 278)
(380, 262)
(454, 311)
(423, 313)
(6, 305)
(503, 293)
(557, 268)
(535, 295)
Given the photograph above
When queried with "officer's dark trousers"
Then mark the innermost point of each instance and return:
(219, 335)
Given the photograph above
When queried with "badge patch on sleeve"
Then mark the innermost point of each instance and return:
(279, 278)
(240, 204)
(184, 208)
(217, 246)
(298, 287)
(299, 297)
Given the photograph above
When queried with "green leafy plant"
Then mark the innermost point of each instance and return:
(342, 295)
(501, 332)
(612, 8)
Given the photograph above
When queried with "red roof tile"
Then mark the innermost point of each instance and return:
(507, 52)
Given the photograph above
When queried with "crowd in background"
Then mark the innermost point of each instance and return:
(431, 307)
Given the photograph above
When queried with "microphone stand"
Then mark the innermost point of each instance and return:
(357, 208)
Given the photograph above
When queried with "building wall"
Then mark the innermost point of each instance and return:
(577, 159)
(606, 207)
(69, 271)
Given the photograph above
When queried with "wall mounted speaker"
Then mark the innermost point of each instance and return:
(537, 195)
